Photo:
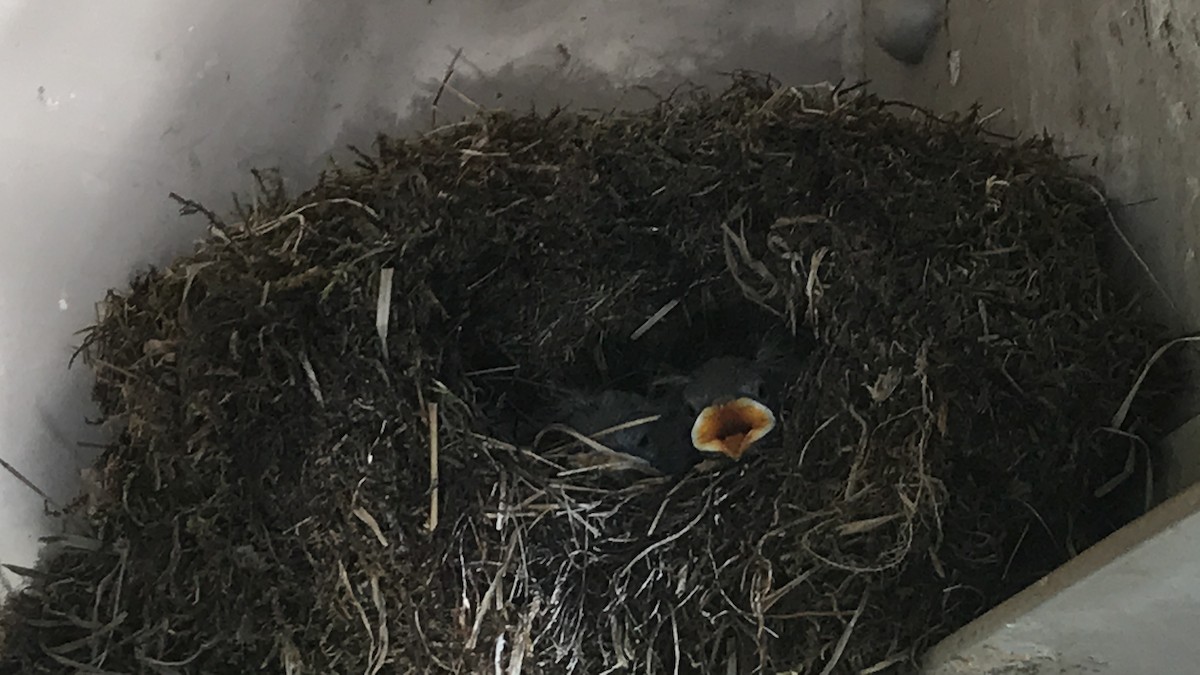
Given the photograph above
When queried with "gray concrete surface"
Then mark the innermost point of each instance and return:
(1127, 606)
(107, 107)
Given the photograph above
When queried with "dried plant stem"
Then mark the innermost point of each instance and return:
(434, 480)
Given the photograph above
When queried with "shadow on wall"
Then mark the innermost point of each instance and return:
(555, 77)
(367, 67)
(189, 97)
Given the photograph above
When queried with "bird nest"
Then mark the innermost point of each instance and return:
(335, 441)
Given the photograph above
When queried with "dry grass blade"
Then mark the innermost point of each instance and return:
(380, 657)
(434, 480)
(344, 578)
(369, 520)
(524, 643)
(866, 525)
(612, 458)
(812, 286)
(314, 385)
(654, 319)
(840, 648)
(490, 595)
(1122, 413)
(1116, 227)
(383, 307)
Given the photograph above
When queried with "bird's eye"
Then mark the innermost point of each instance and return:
(753, 389)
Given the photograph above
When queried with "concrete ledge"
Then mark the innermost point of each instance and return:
(1128, 605)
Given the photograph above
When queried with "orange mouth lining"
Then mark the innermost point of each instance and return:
(731, 428)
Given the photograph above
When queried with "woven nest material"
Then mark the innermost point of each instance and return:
(266, 505)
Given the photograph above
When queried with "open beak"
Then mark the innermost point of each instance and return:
(731, 428)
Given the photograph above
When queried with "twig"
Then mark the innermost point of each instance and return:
(845, 638)
(431, 525)
(442, 87)
(463, 97)
(296, 214)
(29, 484)
(188, 207)
(654, 319)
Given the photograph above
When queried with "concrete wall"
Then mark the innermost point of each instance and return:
(107, 107)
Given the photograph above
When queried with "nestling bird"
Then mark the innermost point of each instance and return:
(722, 407)
(661, 442)
(591, 414)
